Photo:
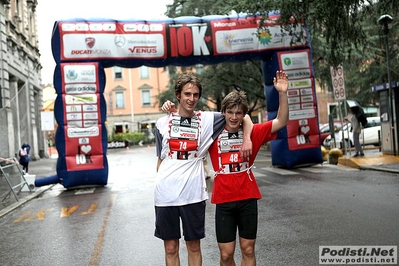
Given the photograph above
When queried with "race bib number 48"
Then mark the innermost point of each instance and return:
(231, 158)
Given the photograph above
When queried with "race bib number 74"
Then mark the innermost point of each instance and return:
(182, 145)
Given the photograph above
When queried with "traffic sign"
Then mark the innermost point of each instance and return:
(338, 81)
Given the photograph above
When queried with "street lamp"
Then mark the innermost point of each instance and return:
(385, 22)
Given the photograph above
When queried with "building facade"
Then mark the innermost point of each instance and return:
(20, 85)
(130, 94)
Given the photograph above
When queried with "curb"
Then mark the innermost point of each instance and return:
(24, 200)
(379, 169)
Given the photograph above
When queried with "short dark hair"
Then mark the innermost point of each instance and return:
(235, 99)
(185, 79)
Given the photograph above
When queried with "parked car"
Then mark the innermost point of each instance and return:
(325, 129)
(368, 136)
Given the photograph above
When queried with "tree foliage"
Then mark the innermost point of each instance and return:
(341, 32)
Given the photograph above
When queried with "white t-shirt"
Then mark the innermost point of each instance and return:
(181, 144)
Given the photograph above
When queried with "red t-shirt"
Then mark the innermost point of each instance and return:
(234, 179)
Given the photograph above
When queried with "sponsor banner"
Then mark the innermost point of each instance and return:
(73, 108)
(80, 88)
(84, 161)
(230, 145)
(90, 108)
(83, 132)
(300, 83)
(74, 124)
(183, 132)
(76, 73)
(116, 144)
(302, 114)
(298, 73)
(81, 99)
(161, 40)
(83, 150)
(83, 140)
(90, 116)
(293, 100)
(295, 60)
(302, 129)
(134, 45)
(294, 107)
(90, 123)
(358, 255)
(73, 116)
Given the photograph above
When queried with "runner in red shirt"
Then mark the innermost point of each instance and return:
(235, 191)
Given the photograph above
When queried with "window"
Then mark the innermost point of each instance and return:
(119, 99)
(144, 72)
(145, 98)
(118, 72)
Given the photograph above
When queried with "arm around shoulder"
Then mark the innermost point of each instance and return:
(247, 127)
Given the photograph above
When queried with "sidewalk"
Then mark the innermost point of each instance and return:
(41, 168)
(373, 160)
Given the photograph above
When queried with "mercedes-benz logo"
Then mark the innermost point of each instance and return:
(120, 40)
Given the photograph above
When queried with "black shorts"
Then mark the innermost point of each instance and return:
(167, 221)
(238, 214)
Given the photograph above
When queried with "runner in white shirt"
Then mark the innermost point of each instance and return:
(182, 140)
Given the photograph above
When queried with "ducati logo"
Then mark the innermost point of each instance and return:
(90, 41)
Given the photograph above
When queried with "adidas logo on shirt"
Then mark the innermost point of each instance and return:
(185, 122)
(233, 135)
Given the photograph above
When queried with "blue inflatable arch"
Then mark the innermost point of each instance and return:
(83, 48)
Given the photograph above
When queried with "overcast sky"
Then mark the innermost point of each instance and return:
(49, 11)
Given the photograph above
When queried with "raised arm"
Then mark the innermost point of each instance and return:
(281, 84)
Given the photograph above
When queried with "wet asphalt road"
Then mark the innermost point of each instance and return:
(301, 209)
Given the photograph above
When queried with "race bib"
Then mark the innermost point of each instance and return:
(182, 145)
(231, 158)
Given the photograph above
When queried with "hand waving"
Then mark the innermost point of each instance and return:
(280, 81)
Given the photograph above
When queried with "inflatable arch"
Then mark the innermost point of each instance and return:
(83, 48)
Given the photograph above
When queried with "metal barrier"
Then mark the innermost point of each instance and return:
(8, 163)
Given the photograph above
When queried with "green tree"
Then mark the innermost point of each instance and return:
(341, 32)
(218, 80)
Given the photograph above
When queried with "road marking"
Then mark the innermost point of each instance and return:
(26, 214)
(40, 216)
(91, 210)
(65, 211)
(98, 247)
(85, 191)
(318, 170)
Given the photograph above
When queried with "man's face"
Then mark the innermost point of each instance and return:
(234, 117)
(188, 99)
